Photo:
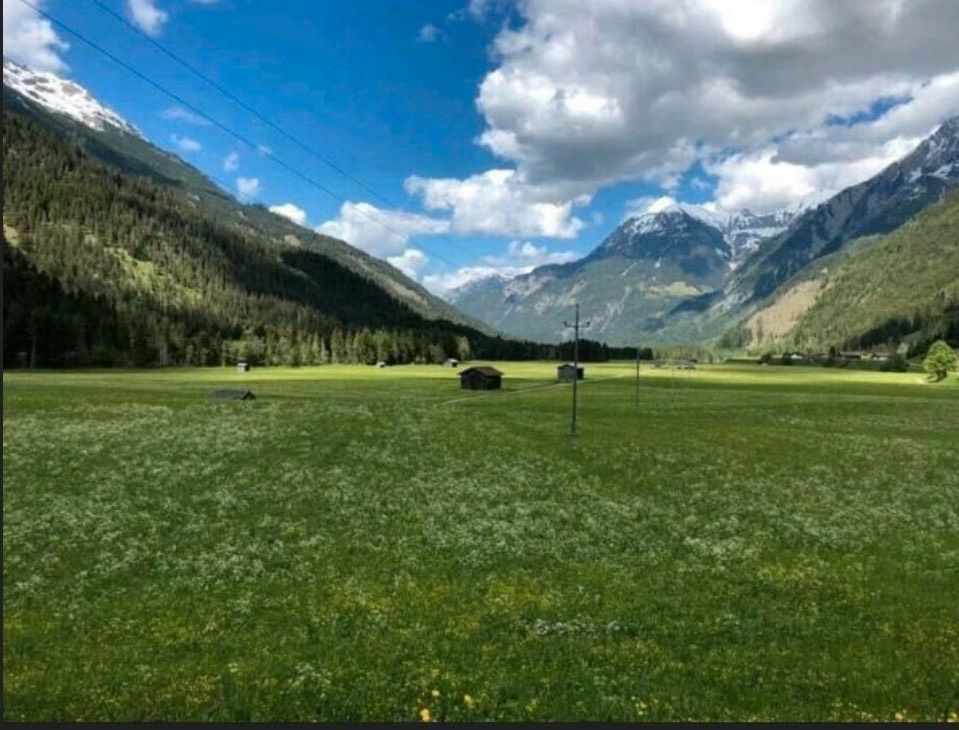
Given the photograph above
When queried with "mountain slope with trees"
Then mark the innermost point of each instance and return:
(880, 291)
(121, 147)
(105, 268)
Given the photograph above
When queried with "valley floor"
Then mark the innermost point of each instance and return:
(377, 544)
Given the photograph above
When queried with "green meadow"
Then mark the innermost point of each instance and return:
(358, 543)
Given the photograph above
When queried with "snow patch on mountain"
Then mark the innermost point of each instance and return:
(63, 96)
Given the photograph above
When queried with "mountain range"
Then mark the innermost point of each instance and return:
(176, 249)
(683, 274)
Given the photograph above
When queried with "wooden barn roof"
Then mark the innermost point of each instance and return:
(482, 370)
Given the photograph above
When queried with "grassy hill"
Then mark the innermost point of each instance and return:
(881, 290)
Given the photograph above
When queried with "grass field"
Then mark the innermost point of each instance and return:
(362, 543)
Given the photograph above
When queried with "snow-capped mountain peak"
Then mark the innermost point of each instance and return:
(939, 154)
(743, 231)
(63, 96)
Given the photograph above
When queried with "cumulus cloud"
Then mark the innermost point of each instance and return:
(410, 262)
(29, 38)
(290, 212)
(231, 163)
(147, 16)
(177, 113)
(378, 231)
(248, 186)
(186, 144)
(497, 202)
(520, 257)
(587, 94)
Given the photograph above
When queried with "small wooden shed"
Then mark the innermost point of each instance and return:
(451, 362)
(231, 394)
(243, 366)
(481, 377)
(567, 371)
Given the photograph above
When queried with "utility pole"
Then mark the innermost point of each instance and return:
(637, 376)
(575, 326)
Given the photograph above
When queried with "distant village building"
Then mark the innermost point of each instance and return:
(567, 370)
(451, 362)
(231, 394)
(880, 357)
(482, 377)
(796, 356)
(686, 365)
(850, 355)
(380, 364)
(243, 366)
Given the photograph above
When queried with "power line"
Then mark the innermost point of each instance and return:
(246, 107)
(239, 102)
(236, 135)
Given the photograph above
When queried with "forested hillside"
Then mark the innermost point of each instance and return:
(899, 288)
(104, 268)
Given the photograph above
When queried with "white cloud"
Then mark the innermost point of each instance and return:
(410, 262)
(520, 257)
(378, 231)
(30, 39)
(429, 33)
(248, 186)
(179, 114)
(147, 16)
(290, 212)
(587, 94)
(231, 163)
(497, 202)
(762, 181)
(187, 144)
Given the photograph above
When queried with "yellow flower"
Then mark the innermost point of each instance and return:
(435, 693)
(425, 715)
(468, 701)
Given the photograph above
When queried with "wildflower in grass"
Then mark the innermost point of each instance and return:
(425, 715)
(435, 693)
(468, 701)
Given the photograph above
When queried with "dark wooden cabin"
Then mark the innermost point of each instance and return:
(567, 369)
(482, 377)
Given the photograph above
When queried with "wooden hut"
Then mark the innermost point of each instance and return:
(567, 371)
(231, 394)
(243, 366)
(451, 362)
(482, 377)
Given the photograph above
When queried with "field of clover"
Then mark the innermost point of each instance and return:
(377, 544)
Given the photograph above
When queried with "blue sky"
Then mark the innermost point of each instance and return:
(362, 87)
(497, 135)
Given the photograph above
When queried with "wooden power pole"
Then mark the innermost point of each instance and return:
(575, 326)
(637, 376)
